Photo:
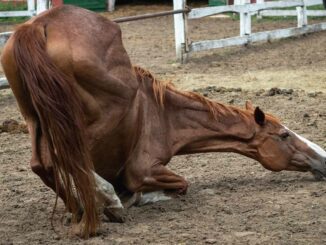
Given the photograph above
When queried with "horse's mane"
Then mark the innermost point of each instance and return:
(215, 108)
(160, 87)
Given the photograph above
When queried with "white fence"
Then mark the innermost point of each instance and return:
(34, 7)
(245, 10)
(285, 13)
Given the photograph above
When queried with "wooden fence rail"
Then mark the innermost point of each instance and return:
(243, 7)
(285, 13)
(34, 7)
(245, 10)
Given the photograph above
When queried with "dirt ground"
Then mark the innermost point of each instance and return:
(231, 199)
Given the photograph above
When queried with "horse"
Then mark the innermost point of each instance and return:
(99, 125)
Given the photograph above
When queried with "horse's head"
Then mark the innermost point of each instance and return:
(278, 148)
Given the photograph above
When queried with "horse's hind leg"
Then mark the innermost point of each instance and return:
(113, 208)
(30, 115)
(47, 176)
(42, 166)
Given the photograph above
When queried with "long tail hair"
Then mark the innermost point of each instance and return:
(61, 120)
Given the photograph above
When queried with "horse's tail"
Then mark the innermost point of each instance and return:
(61, 121)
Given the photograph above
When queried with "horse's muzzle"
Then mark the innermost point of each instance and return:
(318, 169)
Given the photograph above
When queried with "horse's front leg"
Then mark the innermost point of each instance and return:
(106, 194)
(151, 181)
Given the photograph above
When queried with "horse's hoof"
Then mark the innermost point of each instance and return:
(67, 219)
(115, 215)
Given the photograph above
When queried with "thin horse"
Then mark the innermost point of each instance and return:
(88, 110)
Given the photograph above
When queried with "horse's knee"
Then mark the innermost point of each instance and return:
(133, 184)
(45, 173)
(36, 167)
(134, 179)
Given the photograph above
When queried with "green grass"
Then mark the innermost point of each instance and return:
(316, 7)
(9, 6)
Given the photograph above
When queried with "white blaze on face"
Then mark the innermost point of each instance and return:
(320, 151)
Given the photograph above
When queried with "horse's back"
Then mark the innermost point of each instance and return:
(88, 48)
(86, 44)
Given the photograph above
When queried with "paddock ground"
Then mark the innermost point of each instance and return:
(231, 199)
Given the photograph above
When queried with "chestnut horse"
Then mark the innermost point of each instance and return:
(88, 110)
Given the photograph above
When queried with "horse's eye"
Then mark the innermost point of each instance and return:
(284, 135)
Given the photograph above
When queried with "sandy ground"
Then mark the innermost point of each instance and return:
(231, 199)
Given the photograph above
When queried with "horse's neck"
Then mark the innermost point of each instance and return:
(194, 129)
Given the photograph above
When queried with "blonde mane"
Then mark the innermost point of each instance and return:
(215, 108)
(160, 87)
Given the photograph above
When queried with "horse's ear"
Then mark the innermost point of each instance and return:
(249, 106)
(259, 116)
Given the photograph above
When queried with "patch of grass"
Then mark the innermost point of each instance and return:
(316, 7)
(13, 20)
(233, 16)
(11, 6)
(274, 19)
(236, 17)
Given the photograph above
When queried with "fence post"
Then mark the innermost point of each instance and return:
(180, 30)
(245, 20)
(111, 5)
(302, 16)
(259, 16)
(42, 5)
(31, 6)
